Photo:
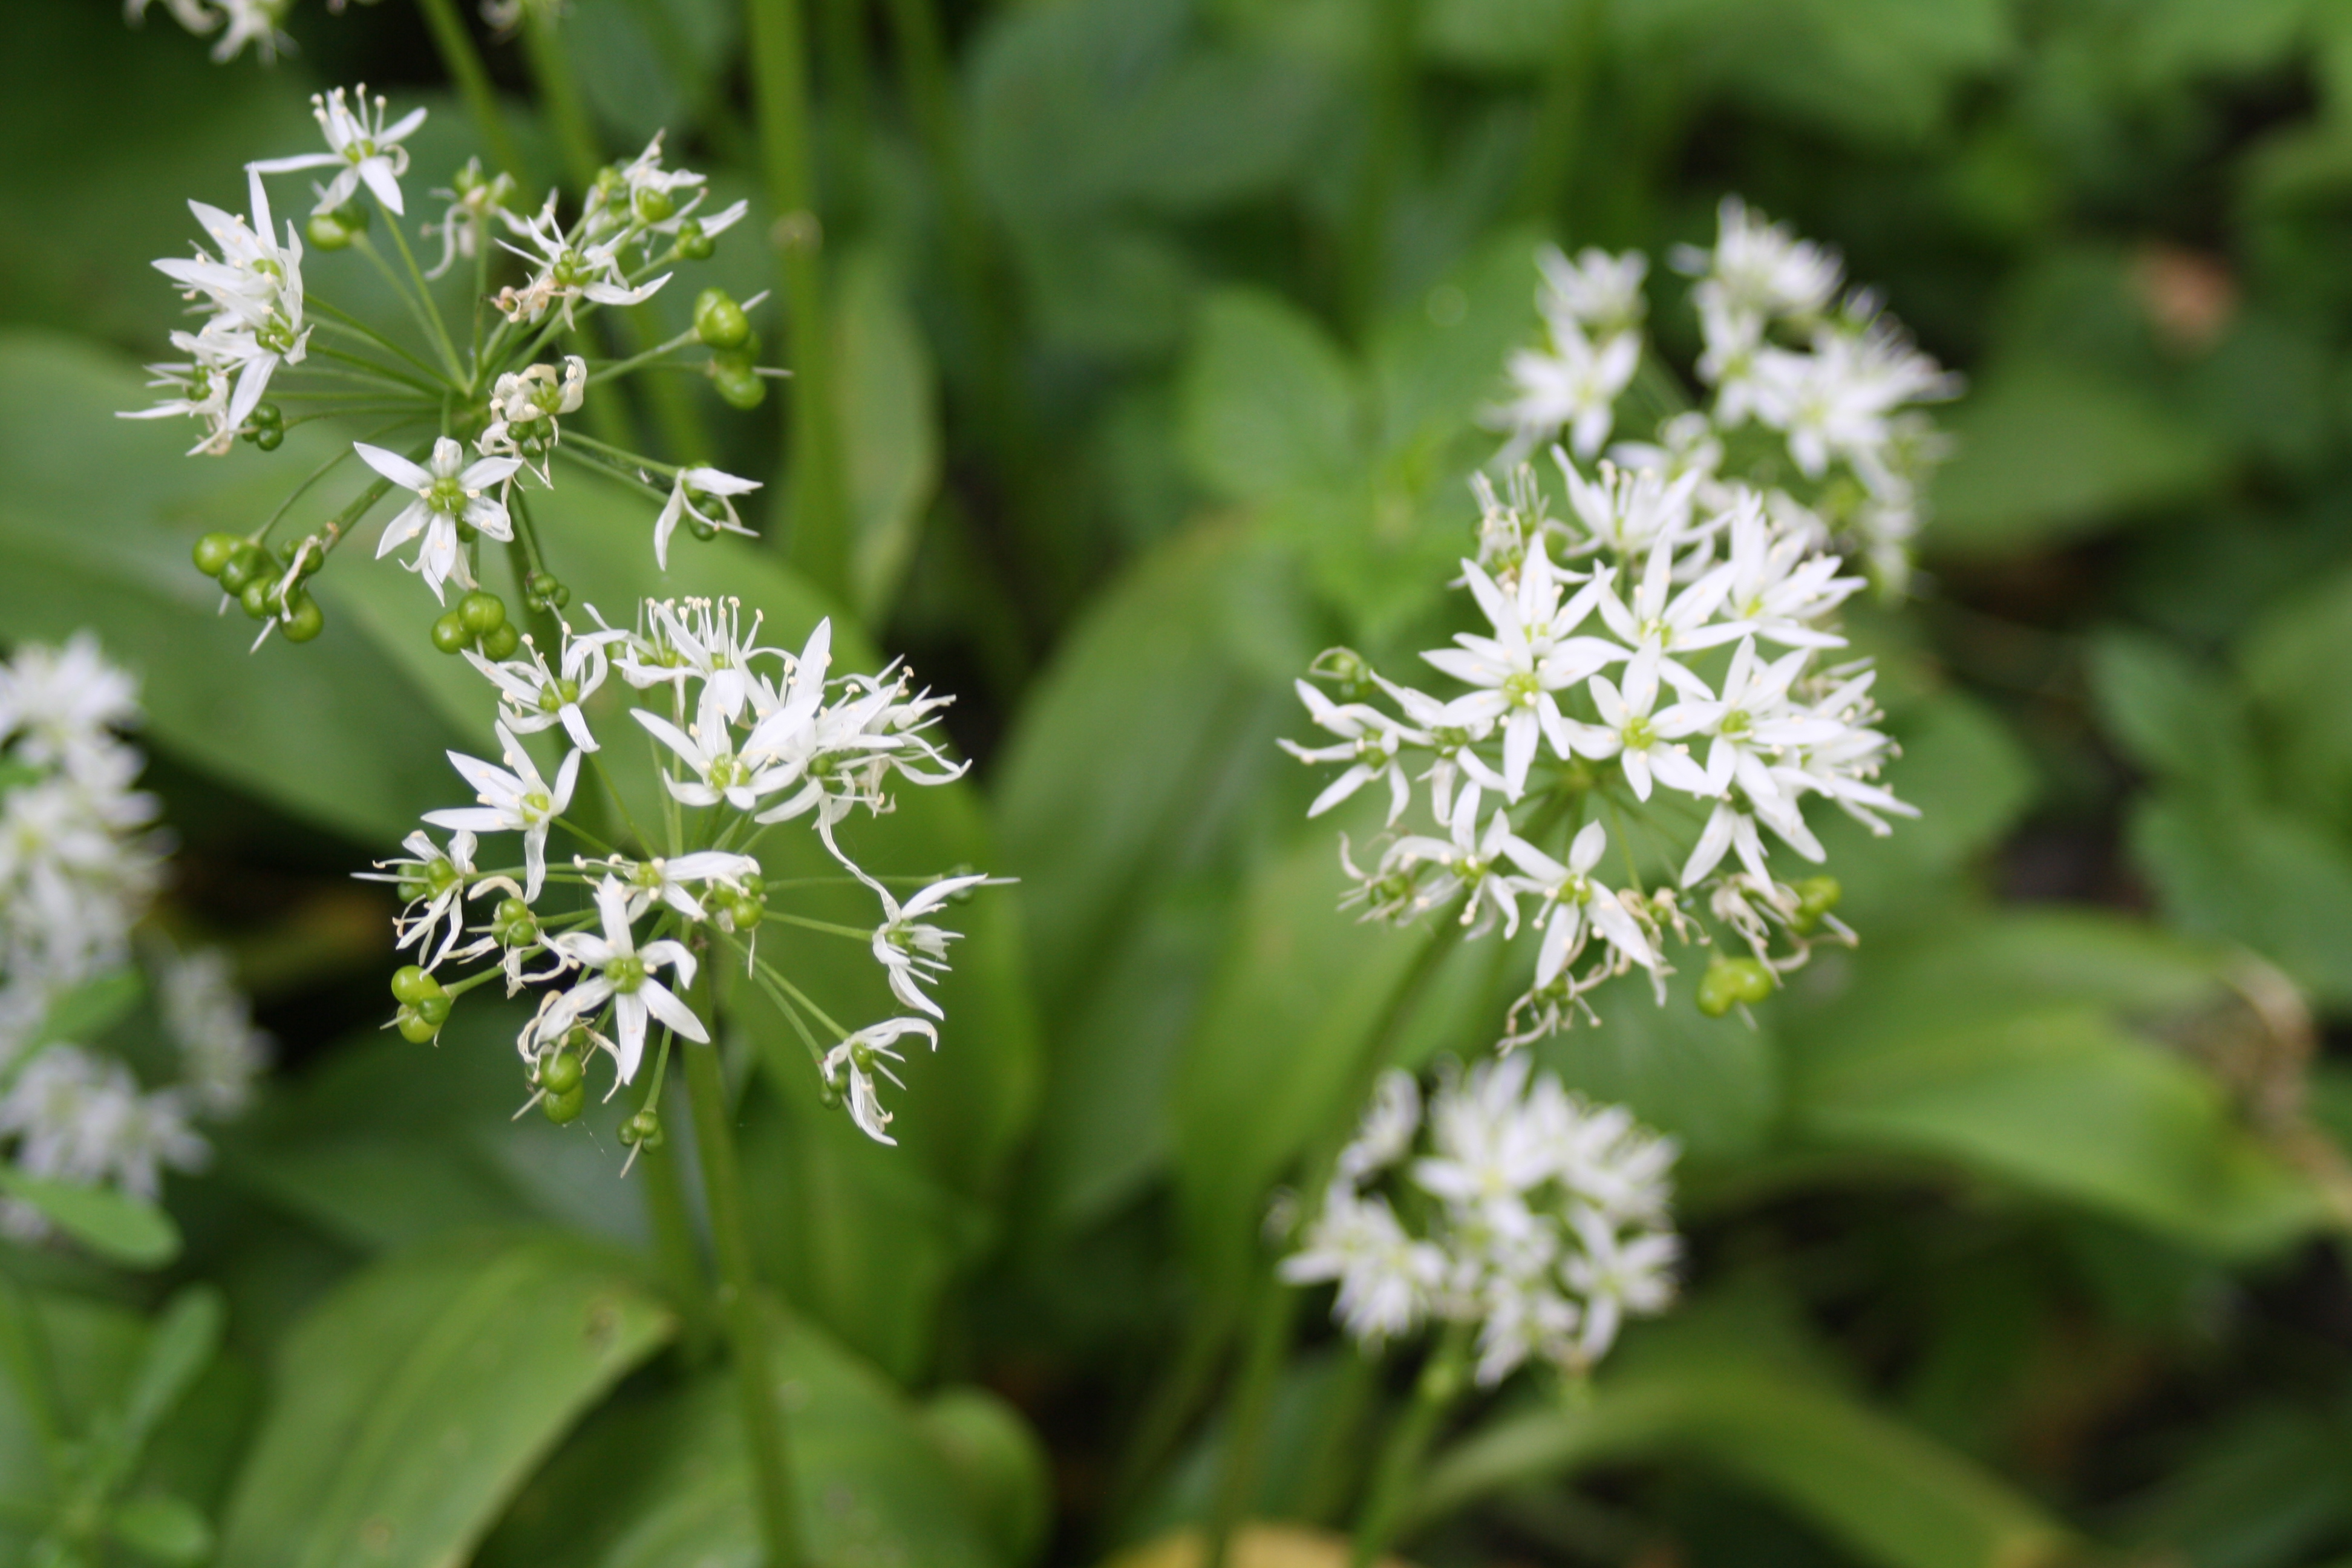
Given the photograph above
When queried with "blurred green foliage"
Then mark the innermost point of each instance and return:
(1160, 330)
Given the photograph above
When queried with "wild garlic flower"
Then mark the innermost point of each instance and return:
(453, 499)
(465, 225)
(1656, 650)
(361, 148)
(79, 864)
(252, 297)
(1540, 1218)
(568, 268)
(703, 499)
(766, 726)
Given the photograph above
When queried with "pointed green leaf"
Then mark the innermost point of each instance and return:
(115, 1224)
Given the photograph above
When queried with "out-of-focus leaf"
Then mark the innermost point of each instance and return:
(1001, 1469)
(330, 731)
(1269, 403)
(164, 1528)
(1713, 1083)
(2254, 874)
(2293, 661)
(89, 1009)
(2048, 450)
(1711, 1387)
(117, 1225)
(661, 1482)
(2262, 1490)
(1999, 1048)
(410, 1405)
(1253, 1546)
(182, 1343)
(890, 428)
(2172, 717)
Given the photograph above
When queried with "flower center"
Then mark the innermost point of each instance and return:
(446, 495)
(1736, 722)
(1637, 734)
(627, 972)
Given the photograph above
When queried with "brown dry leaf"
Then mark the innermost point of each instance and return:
(1253, 1546)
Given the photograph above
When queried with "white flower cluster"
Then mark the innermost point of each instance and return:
(79, 865)
(637, 202)
(1832, 381)
(752, 737)
(251, 299)
(1679, 661)
(1540, 1218)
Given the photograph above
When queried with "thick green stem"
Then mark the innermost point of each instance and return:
(1440, 1383)
(1277, 1306)
(740, 1304)
(465, 63)
(818, 539)
(675, 1253)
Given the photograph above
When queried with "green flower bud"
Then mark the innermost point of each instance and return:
(644, 1128)
(500, 641)
(450, 634)
(410, 983)
(303, 619)
(413, 1028)
(1816, 896)
(246, 560)
(719, 321)
(562, 1108)
(654, 206)
(214, 551)
(739, 383)
(482, 612)
(269, 438)
(268, 417)
(560, 1073)
(434, 1010)
(260, 598)
(692, 243)
(1730, 981)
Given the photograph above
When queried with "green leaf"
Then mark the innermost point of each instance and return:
(2254, 874)
(89, 1009)
(1710, 1387)
(116, 1226)
(179, 1348)
(289, 724)
(1001, 1469)
(661, 1481)
(890, 422)
(1998, 1047)
(2048, 450)
(410, 1405)
(2292, 661)
(2170, 715)
(1269, 403)
(164, 1528)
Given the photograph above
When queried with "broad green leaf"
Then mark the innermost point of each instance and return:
(2254, 874)
(117, 1225)
(182, 1343)
(330, 730)
(2292, 661)
(1269, 403)
(164, 1528)
(2048, 451)
(1709, 1388)
(661, 1481)
(411, 1404)
(890, 422)
(2172, 716)
(1999, 1048)
(1001, 1469)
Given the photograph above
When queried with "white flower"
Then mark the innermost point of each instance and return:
(913, 955)
(707, 746)
(527, 396)
(1616, 1276)
(1628, 512)
(616, 969)
(255, 292)
(449, 491)
(1529, 658)
(1489, 1156)
(566, 272)
(1644, 745)
(1468, 860)
(669, 881)
(82, 1119)
(513, 801)
(432, 881)
(535, 698)
(61, 706)
(253, 22)
(861, 1056)
(1387, 1129)
(1758, 269)
(220, 1051)
(705, 495)
(1387, 1280)
(1574, 386)
(1368, 744)
(1572, 898)
(362, 150)
(472, 197)
(1597, 291)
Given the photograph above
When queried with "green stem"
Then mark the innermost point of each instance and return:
(551, 73)
(847, 80)
(1364, 251)
(1276, 1305)
(463, 62)
(675, 1253)
(739, 1297)
(1439, 1384)
(1561, 119)
(818, 538)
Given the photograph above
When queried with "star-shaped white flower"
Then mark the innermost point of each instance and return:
(708, 497)
(1644, 745)
(449, 491)
(861, 1057)
(516, 801)
(361, 150)
(1574, 900)
(615, 969)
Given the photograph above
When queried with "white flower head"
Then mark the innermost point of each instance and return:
(859, 1060)
(361, 150)
(513, 799)
(615, 970)
(449, 491)
(704, 497)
